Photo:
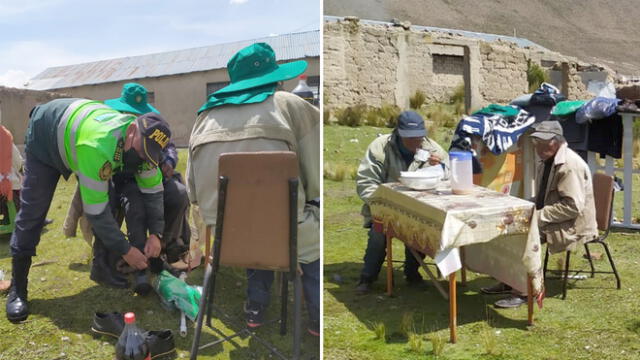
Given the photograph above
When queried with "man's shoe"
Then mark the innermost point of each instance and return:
(255, 314)
(160, 342)
(499, 288)
(511, 302)
(17, 308)
(110, 324)
(142, 285)
(363, 288)
(48, 222)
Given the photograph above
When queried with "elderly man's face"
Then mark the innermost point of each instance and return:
(412, 143)
(546, 148)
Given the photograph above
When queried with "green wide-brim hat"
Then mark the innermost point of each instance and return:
(133, 99)
(118, 104)
(256, 66)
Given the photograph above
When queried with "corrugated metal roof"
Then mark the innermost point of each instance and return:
(521, 42)
(287, 47)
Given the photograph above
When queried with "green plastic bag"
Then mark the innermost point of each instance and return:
(495, 109)
(176, 293)
(564, 108)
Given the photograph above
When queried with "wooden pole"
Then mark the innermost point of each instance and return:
(207, 245)
(389, 265)
(530, 299)
(453, 308)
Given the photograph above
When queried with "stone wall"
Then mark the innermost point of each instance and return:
(503, 74)
(15, 105)
(380, 63)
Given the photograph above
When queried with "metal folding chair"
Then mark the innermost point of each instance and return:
(256, 228)
(603, 192)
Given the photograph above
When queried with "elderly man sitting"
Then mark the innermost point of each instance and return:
(564, 199)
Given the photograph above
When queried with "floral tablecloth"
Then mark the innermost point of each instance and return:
(499, 232)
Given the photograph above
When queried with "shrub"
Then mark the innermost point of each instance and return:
(351, 116)
(415, 342)
(536, 75)
(380, 331)
(437, 343)
(406, 325)
(417, 100)
(339, 172)
(326, 116)
(457, 97)
(489, 340)
(390, 113)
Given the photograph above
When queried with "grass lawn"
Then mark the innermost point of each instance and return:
(596, 321)
(62, 300)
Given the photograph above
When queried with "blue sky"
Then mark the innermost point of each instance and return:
(37, 34)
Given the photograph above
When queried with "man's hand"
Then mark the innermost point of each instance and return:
(153, 246)
(135, 259)
(434, 159)
(167, 170)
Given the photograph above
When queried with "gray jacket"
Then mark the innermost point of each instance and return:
(382, 163)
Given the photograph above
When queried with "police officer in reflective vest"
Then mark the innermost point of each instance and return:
(93, 141)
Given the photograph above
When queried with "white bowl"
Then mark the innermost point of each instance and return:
(418, 181)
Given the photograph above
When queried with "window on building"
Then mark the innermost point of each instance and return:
(151, 97)
(215, 86)
(448, 64)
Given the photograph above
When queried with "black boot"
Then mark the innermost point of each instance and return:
(142, 285)
(17, 309)
(103, 268)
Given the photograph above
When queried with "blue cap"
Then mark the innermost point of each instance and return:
(460, 155)
(411, 124)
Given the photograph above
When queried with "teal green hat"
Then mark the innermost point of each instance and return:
(256, 66)
(133, 99)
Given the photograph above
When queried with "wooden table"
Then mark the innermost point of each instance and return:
(497, 233)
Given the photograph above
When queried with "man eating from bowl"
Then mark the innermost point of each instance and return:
(385, 158)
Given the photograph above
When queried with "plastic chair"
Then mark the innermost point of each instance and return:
(256, 228)
(603, 192)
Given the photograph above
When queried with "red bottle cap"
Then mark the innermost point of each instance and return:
(303, 77)
(129, 318)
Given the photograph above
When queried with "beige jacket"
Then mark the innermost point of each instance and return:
(382, 163)
(568, 217)
(283, 122)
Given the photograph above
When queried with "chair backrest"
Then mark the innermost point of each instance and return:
(603, 198)
(256, 221)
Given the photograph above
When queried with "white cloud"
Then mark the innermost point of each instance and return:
(237, 2)
(25, 59)
(14, 78)
(9, 9)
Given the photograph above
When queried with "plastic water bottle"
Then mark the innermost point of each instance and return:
(303, 90)
(131, 344)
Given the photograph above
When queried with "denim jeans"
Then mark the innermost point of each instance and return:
(259, 287)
